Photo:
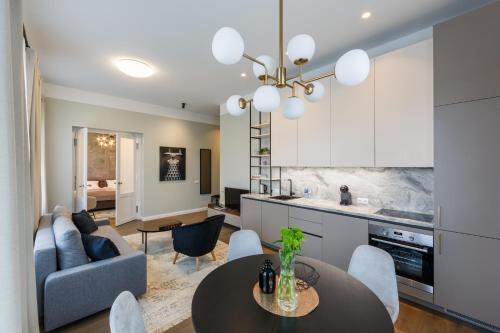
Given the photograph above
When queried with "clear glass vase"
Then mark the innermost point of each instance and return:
(287, 292)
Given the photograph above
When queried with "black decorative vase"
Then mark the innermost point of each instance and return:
(267, 278)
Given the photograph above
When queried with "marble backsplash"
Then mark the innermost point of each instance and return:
(408, 189)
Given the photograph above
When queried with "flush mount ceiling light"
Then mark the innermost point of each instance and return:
(228, 48)
(135, 68)
(366, 15)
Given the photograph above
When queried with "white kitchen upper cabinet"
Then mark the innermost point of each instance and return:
(353, 118)
(283, 136)
(404, 107)
(314, 141)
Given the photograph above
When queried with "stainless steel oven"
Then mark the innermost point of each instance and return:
(413, 254)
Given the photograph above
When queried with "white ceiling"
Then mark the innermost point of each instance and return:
(78, 40)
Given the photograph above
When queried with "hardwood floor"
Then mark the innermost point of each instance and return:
(412, 318)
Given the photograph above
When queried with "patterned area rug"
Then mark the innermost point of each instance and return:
(167, 301)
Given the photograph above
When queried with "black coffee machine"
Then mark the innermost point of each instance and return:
(345, 196)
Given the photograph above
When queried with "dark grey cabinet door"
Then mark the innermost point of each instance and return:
(467, 167)
(274, 217)
(341, 236)
(251, 215)
(467, 275)
(312, 247)
(467, 57)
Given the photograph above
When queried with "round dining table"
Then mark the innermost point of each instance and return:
(224, 302)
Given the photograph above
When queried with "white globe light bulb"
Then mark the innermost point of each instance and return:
(294, 108)
(353, 67)
(258, 69)
(266, 98)
(227, 46)
(233, 106)
(317, 94)
(300, 49)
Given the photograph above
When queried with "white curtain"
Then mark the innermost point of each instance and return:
(34, 111)
(18, 309)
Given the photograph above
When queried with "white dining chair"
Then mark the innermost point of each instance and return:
(126, 315)
(375, 268)
(243, 243)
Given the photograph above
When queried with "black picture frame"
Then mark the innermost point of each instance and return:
(205, 171)
(172, 164)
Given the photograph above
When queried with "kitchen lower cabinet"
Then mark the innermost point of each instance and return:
(341, 236)
(274, 217)
(251, 215)
(466, 275)
(312, 247)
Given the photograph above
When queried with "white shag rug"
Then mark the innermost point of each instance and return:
(167, 301)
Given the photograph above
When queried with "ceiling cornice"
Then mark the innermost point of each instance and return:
(87, 97)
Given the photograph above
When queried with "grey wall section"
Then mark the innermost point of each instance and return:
(235, 151)
(159, 197)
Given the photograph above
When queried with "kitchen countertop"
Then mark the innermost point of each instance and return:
(334, 207)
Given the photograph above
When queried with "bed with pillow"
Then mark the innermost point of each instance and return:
(104, 191)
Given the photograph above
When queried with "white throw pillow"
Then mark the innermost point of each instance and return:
(92, 184)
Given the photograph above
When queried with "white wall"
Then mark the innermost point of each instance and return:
(235, 151)
(159, 197)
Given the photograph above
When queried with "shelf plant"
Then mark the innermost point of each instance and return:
(291, 244)
(264, 151)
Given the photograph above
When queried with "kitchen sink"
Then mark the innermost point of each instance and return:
(284, 197)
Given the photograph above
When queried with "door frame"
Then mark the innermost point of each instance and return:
(139, 161)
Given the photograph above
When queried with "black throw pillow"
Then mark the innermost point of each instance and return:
(99, 248)
(84, 222)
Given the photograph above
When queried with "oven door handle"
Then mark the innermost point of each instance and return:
(400, 245)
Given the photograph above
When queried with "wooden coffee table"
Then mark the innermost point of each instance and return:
(155, 226)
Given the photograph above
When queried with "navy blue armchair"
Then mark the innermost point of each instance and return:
(196, 240)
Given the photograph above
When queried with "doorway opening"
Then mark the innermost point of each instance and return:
(106, 174)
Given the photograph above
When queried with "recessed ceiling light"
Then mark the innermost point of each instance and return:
(134, 68)
(243, 74)
(366, 15)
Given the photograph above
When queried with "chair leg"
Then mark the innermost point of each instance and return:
(213, 256)
(176, 256)
(197, 263)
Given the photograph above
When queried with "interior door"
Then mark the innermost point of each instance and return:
(125, 178)
(81, 151)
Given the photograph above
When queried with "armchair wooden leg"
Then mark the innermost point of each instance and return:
(176, 256)
(213, 256)
(197, 263)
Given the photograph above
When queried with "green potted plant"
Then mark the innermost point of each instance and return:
(291, 244)
(264, 151)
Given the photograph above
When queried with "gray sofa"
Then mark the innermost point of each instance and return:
(74, 293)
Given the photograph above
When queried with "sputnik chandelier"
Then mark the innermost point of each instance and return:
(105, 141)
(228, 48)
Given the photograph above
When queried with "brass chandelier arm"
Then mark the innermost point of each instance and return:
(266, 76)
(319, 77)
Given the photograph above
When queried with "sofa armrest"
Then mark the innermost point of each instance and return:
(101, 222)
(80, 291)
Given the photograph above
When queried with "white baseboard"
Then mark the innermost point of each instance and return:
(180, 212)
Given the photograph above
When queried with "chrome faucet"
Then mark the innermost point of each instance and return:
(291, 191)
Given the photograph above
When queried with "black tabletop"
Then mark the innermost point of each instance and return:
(223, 302)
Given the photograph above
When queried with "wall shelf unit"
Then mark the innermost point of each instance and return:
(262, 172)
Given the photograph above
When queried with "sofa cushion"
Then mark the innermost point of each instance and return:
(70, 251)
(99, 248)
(84, 222)
(60, 210)
(109, 232)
